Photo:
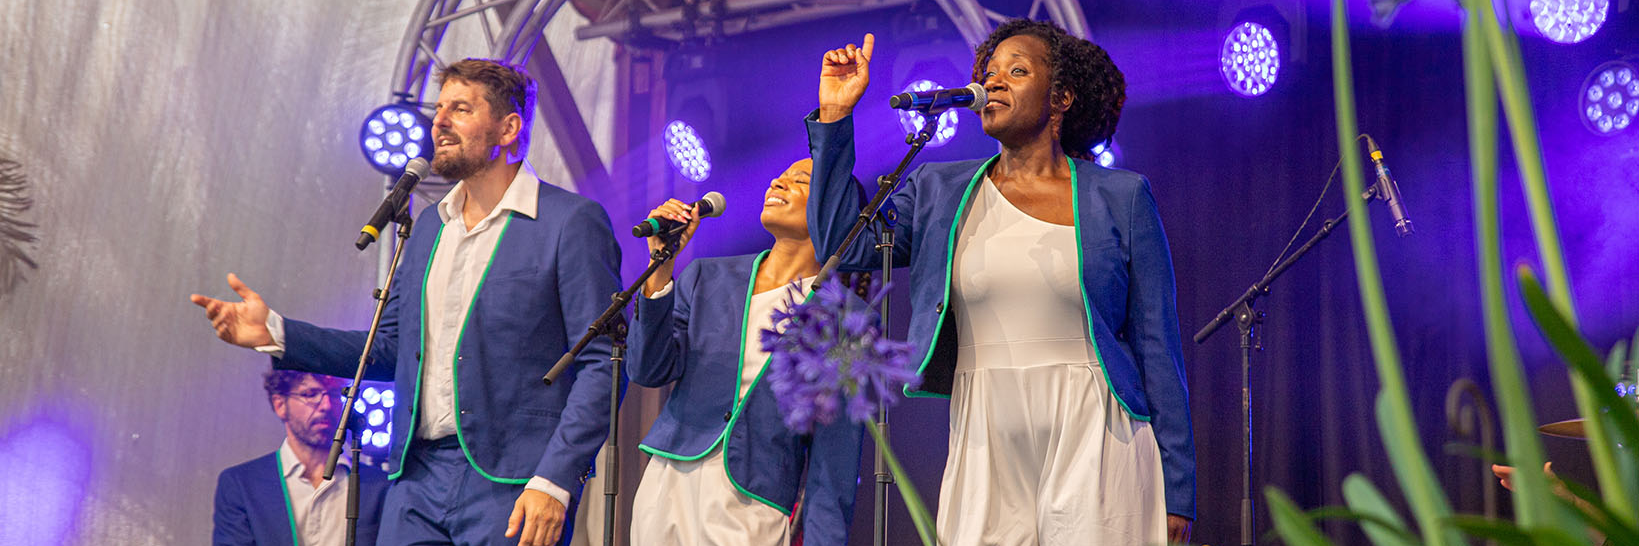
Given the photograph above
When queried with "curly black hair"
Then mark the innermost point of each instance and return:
(1078, 66)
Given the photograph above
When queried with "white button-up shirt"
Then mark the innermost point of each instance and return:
(320, 512)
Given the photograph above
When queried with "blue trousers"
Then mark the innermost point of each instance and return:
(442, 500)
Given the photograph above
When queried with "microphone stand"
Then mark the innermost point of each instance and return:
(343, 430)
(1247, 318)
(611, 323)
(885, 244)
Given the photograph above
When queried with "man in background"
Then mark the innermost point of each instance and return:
(282, 498)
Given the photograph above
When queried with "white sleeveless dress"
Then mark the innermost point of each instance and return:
(693, 503)
(1041, 452)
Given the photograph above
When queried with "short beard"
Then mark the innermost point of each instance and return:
(456, 167)
(462, 167)
(313, 438)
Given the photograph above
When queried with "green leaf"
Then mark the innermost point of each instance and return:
(1610, 419)
(1394, 417)
(1593, 512)
(1506, 532)
(1291, 524)
(1383, 526)
(1533, 503)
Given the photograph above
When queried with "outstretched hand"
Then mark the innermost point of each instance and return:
(844, 75)
(242, 323)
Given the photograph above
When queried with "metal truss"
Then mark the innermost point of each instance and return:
(652, 21)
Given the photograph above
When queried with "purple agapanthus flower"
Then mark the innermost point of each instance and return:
(828, 352)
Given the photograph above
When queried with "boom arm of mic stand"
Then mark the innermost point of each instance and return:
(885, 186)
(620, 299)
(1262, 286)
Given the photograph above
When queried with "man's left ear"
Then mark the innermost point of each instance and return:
(514, 128)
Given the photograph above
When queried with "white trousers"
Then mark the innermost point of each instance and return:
(693, 503)
(1045, 455)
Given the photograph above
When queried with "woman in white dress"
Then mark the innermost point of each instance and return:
(1042, 302)
(724, 469)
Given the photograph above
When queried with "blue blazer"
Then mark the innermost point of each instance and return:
(550, 277)
(1127, 283)
(693, 338)
(252, 507)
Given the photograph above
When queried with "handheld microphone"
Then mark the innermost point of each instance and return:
(1389, 191)
(971, 97)
(413, 173)
(709, 206)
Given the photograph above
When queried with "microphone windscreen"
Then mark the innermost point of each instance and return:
(418, 166)
(979, 96)
(715, 205)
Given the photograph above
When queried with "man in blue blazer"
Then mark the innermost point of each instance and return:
(497, 279)
(725, 468)
(282, 498)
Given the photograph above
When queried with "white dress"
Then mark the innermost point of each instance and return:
(1041, 453)
(693, 503)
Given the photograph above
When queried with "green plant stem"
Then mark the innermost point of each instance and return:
(907, 491)
(1533, 501)
(1395, 423)
(1522, 130)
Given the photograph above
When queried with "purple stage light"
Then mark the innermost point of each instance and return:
(1250, 59)
(374, 410)
(687, 151)
(392, 135)
(912, 121)
(1568, 21)
(1104, 153)
(1610, 98)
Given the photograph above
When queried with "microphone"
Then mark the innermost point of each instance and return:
(1389, 191)
(413, 173)
(710, 206)
(971, 97)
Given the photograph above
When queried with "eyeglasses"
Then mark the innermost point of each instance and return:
(312, 397)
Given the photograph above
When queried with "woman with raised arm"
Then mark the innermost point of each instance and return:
(725, 470)
(1042, 302)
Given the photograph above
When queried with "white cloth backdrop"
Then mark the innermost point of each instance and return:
(168, 143)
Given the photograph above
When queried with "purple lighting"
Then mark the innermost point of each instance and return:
(687, 151)
(1568, 21)
(1250, 59)
(1610, 98)
(374, 409)
(912, 121)
(1104, 153)
(44, 486)
(392, 135)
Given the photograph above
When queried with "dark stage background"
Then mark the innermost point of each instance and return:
(1234, 177)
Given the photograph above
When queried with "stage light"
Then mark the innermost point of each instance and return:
(1568, 21)
(1250, 59)
(1104, 153)
(393, 134)
(687, 151)
(374, 409)
(912, 121)
(1610, 98)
